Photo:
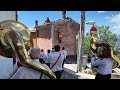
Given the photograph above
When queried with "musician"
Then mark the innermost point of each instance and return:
(28, 73)
(104, 64)
(56, 61)
(15, 42)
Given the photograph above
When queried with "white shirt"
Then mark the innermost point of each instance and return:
(44, 56)
(53, 57)
(64, 53)
(7, 68)
(28, 73)
(104, 65)
(48, 58)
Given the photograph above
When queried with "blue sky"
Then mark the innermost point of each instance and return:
(107, 18)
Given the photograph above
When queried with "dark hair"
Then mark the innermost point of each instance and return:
(63, 48)
(103, 52)
(42, 50)
(48, 51)
(57, 48)
(52, 49)
(41, 60)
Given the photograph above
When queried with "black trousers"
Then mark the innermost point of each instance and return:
(100, 76)
(58, 74)
(63, 62)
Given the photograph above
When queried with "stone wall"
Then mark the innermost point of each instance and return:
(69, 29)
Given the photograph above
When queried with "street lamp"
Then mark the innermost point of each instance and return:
(91, 23)
(93, 29)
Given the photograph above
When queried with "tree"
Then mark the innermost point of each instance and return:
(105, 34)
(87, 46)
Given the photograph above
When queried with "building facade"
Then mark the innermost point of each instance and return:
(61, 32)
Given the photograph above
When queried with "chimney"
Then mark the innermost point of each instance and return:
(63, 14)
(36, 23)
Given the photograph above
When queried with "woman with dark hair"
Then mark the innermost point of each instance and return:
(104, 63)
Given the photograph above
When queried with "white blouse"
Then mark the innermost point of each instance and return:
(53, 57)
(104, 65)
(28, 73)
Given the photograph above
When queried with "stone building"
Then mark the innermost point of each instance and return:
(62, 32)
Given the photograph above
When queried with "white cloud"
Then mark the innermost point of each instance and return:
(116, 29)
(115, 20)
(107, 17)
(101, 11)
(31, 29)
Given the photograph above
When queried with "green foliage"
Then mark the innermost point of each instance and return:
(87, 46)
(104, 34)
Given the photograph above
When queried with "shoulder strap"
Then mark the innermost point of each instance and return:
(56, 61)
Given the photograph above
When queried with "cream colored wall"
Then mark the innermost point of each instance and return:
(45, 44)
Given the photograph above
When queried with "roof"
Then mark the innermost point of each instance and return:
(60, 22)
(32, 30)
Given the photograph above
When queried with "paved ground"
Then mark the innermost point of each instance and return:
(70, 71)
(67, 75)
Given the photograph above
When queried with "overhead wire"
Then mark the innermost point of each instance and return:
(21, 14)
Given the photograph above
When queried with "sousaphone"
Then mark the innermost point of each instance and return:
(96, 42)
(14, 37)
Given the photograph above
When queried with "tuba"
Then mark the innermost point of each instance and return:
(96, 42)
(14, 37)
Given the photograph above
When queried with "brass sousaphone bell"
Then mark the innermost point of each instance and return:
(96, 42)
(14, 36)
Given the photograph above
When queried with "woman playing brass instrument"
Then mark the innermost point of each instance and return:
(104, 63)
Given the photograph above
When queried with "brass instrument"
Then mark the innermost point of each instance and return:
(14, 36)
(96, 42)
